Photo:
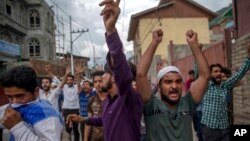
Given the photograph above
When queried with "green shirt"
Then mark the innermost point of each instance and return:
(164, 124)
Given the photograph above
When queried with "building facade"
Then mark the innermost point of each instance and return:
(27, 27)
(174, 17)
(241, 97)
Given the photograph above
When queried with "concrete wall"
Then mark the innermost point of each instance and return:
(241, 95)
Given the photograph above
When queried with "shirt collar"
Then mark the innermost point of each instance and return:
(211, 82)
(72, 86)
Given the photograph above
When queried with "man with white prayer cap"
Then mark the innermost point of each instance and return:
(170, 118)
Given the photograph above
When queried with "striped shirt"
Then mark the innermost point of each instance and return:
(84, 102)
(215, 103)
(40, 122)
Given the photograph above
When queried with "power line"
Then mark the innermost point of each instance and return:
(85, 43)
(66, 13)
(71, 42)
(90, 36)
(157, 20)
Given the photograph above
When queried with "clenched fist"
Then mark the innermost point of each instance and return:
(157, 36)
(192, 38)
(11, 118)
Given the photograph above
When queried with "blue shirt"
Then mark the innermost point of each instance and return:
(84, 102)
(37, 112)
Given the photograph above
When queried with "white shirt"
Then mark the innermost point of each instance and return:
(49, 129)
(71, 97)
(52, 97)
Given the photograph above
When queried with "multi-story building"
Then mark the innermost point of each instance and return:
(27, 31)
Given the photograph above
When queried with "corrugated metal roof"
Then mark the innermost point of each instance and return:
(225, 14)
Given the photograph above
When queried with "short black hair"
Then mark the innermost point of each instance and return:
(98, 73)
(215, 65)
(131, 65)
(227, 71)
(72, 76)
(87, 81)
(47, 78)
(22, 77)
(191, 72)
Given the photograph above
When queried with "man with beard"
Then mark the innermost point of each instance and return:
(170, 118)
(47, 93)
(122, 109)
(28, 118)
(95, 107)
(214, 114)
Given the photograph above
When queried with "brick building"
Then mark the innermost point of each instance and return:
(241, 97)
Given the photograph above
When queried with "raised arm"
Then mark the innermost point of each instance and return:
(195, 67)
(68, 71)
(143, 84)
(79, 69)
(199, 86)
(116, 57)
(236, 77)
(110, 14)
(48, 70)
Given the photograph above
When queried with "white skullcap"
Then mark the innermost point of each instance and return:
(165, 70)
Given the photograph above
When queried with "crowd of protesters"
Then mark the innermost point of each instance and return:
(119, 103)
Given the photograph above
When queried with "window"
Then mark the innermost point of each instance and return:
(34, 18)
(8, 7)
(34, 47)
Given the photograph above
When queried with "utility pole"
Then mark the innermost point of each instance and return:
(71, 47)
(72, 41)
(94, 55)
(63, 38)
(95, 58)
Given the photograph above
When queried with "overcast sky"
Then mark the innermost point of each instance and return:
(86, 14)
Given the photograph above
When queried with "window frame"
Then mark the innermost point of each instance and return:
(34, 48)
(34, 18)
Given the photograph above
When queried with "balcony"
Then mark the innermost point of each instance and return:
(13, 24)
